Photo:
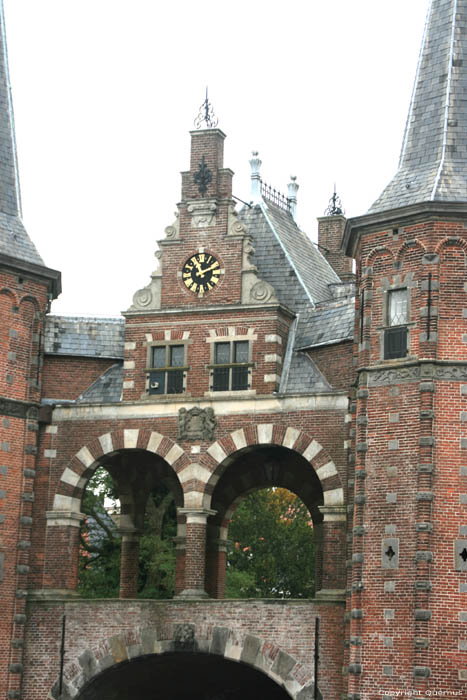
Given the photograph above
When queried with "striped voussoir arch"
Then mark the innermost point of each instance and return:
(222, 453)
(89, 457)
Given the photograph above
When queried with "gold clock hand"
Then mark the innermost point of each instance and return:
(216, 264)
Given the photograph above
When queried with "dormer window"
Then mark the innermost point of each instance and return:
(231, 366)
(395, 337)
(166, 371)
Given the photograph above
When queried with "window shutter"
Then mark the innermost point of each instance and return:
(395, 343)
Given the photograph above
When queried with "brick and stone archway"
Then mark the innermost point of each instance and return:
(254, 666)
(138, 460)
(223, 452)
(258, 457)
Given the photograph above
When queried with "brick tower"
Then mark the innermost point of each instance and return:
(408, 609)
(26, 288)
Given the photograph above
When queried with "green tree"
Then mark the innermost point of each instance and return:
(100, 543)
(99, 564)
(273, 547)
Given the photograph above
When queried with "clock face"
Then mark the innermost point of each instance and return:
(201, 273)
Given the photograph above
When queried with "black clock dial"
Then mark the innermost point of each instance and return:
(201, 273)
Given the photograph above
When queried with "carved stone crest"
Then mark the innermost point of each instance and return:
(203, 213)
(196, 424)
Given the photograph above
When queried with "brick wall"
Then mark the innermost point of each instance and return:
(407, 602)
(98, 629)
(68, 377)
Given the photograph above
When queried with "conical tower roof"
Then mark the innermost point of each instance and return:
(433, 161)
(14, 240)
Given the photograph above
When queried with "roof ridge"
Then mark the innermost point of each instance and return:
(263, 208)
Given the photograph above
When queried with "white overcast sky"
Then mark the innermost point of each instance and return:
(106, 91)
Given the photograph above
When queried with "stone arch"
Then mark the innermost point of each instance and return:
(293, 676)
(222, 452)
(83, 464)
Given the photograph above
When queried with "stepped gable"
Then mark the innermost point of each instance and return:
(82, 336)
(433, 160)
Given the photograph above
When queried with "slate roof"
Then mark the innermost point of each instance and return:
(433, 161)
(304, 376)
(286, 258)
(88, 337)
(107, 388)
(303, 280)
(327, 326)
(14, 241)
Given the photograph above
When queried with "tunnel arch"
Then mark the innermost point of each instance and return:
(245, 658)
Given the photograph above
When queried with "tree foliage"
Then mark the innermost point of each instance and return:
(272, 554)
(99, 568)
(272, 547)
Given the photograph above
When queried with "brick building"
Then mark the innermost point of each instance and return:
(253, 358)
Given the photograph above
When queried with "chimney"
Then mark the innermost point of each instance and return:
(330, 234)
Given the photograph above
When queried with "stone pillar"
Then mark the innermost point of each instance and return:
(195, 557)
(62, 545)
(333, 549)
(129, 563)
(216, 562)
(180, 547)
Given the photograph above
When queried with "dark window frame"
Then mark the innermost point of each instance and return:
(168, 378)
(396, 334)
(231, 375)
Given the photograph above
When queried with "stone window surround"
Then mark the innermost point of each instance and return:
(232, 337)
(399, 282)
(166, 343)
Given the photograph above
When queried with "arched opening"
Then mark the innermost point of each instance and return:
(271, 551)
(127, 540)
(182, 676)
(250, 470)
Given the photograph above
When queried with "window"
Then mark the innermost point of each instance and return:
(166, 369)
(395, 337)
(230, 368)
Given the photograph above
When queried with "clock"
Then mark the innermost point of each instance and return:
(201, 273)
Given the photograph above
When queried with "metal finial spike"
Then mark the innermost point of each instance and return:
(334, 207)
(206, 115)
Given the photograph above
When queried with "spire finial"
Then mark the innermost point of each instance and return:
(206, 114)
(334, 207)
